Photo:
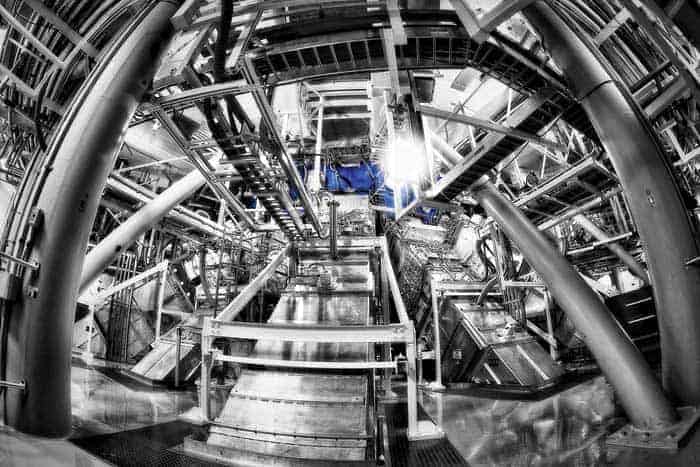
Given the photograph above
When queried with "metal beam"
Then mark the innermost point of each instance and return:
(500, 13)
(469, 20)
(397, 31)
(242, 42)
(293, 332)
(31, 38)
(313, 365)
(620, 361)
(185, 14)
(344, 116)
(205, 167)
(602, 236)
(654, 197)
(519, 115)
(123, 236)
(232, 310)
(568, 214)
(491, 126)
(267, 116)
(180, 214)
(390, 55)
(67, 191)
(189, 97)
(555, 181)
(142, 276)
(64, 28)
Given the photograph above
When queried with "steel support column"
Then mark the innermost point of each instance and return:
(653, 194)
(621, 362)
(80, 157)
(120, 238)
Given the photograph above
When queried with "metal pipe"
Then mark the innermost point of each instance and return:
(123, 236)
(592, 203)
(437, 345)
(620, 361)
(334, 228)
(236, 306)
(315, 184)
(629, 261)
(654, 197)
(285, 160)
(178, 353)
(179, 213)
(82, 155)
(444, 148)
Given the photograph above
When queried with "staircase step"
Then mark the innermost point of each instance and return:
(301, 387)
(307, 419)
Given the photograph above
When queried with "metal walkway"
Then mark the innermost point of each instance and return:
(275, 415)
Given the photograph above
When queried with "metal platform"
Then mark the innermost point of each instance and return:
(273, 416)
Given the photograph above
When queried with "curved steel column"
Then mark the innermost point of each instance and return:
(41, 320)
(621, 362)
(654, 198)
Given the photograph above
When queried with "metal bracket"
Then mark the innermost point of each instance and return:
(670, 438)
(21, 385)
(30, 264)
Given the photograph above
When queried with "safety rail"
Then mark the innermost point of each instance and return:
(160, 270)
(402, 332)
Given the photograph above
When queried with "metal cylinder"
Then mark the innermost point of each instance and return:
(626, 258)
(123, 236)
(654, 197)
(41, 320)
(620, 361)
(333, 205)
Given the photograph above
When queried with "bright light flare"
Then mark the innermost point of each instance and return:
(404, 163)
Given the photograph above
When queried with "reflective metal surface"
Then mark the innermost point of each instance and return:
(103, 405)
(565, 429)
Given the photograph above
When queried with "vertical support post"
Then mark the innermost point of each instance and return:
(550, 328)
(334, 228)
(178, 354)
(386, 311)
(207, 362)
(91, 329)
(437, 346)
(620, 361)
(655, 199)
(412, 387)
(162, 278)
(316, 179)
(67, 190)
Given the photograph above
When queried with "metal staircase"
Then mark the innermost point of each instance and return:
(275, 416)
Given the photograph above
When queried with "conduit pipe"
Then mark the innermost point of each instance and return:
(81, 155)
(620, 361)
(654, 198)
(130, 230)
(597, 233)
(179, 213)
(444, 148)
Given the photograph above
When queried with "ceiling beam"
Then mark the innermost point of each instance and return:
(480, 28)
(491, 126)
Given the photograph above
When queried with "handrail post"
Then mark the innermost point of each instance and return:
(178, 354)
(207, 362)
(412, 388)
(159, 303)
(437, 385)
